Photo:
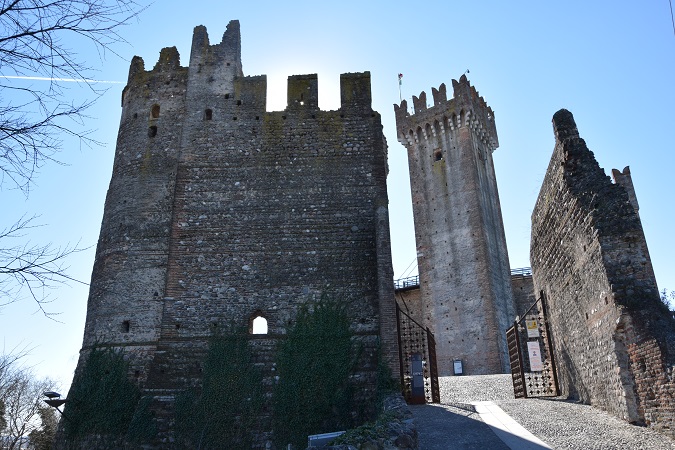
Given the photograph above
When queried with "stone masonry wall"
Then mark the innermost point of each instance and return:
(410, 299)
(612, 337)
(523, 293)
(219, 211)
(461, 247)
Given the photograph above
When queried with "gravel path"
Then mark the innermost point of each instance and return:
(561, 424)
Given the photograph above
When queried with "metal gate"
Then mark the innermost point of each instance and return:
(416, 342)
(531, 355)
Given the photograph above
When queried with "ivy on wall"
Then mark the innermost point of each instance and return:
(103, 402)
(223, 412)
(314, 393)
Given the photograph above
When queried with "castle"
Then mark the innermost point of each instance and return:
(220, 213)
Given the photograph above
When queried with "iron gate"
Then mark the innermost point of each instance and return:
(531, 355)
(415, 341)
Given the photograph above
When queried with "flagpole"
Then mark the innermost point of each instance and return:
(400, 76)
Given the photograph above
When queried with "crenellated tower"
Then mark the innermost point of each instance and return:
(461, 248)
(220, 212)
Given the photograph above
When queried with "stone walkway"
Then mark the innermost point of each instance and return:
(476, 411)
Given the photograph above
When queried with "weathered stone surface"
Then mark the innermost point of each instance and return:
(461, 247)
(613, 340)
(523, 292)
(219, 212)
(395, 429)
(411, 301)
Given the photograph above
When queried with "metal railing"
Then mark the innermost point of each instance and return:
(414, 281)
(523, 271)
(408, 282)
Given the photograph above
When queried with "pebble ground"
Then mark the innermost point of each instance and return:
(559, 423)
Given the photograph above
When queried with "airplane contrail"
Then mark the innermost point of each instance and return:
(70, 80)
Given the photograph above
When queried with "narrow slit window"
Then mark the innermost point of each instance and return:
(126, 326)
(208, 114)
(154, 112)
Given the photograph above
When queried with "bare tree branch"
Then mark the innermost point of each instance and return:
(39, 38)
(28, 270)
(33, 42)
(24, 411)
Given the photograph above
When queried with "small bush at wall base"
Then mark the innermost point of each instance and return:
(224, 411)
(103, 402)
(314, 393)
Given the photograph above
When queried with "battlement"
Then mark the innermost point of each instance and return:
(623, 178)
(465, 108)
(214, 80)
(214, 66)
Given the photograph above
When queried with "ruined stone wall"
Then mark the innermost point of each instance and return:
(523, 292)
(612, 337)
(461, 247)
(219, 211)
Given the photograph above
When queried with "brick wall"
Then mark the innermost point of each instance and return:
(461, 248)
(219, 211)
(612, 337)
(523, 293)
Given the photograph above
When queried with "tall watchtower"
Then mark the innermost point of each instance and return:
(461, 247)
(221, 213)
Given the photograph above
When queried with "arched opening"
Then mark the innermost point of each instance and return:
(152, 131)
(208, 114)
(154, 111)
(258, 325)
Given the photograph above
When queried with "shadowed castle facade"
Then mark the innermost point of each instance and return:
(219, 212)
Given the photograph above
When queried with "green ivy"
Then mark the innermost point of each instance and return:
(314, 393)
(223, 412)
(371, 431)
(104, 402)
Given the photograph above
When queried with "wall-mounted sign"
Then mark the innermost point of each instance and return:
(534, 354)
(532, 327)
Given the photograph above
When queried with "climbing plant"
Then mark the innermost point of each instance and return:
(314, 393)
(223, 411)
(104, 403)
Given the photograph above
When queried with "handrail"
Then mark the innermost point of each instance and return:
(414, 281)
(408, 282)
(524, 271)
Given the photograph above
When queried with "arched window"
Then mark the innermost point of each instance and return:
(258, 325)
(154, 112)
(208, 114)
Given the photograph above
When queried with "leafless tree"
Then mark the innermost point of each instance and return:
(38, 39)
(27, 269)
(24, 409)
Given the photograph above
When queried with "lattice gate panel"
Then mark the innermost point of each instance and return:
(516, 364)
(416, 339)
(531, 355)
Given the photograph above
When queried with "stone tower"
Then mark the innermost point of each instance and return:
(219, 212)
(463, 262)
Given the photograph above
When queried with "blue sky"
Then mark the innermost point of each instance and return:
(611, 63)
